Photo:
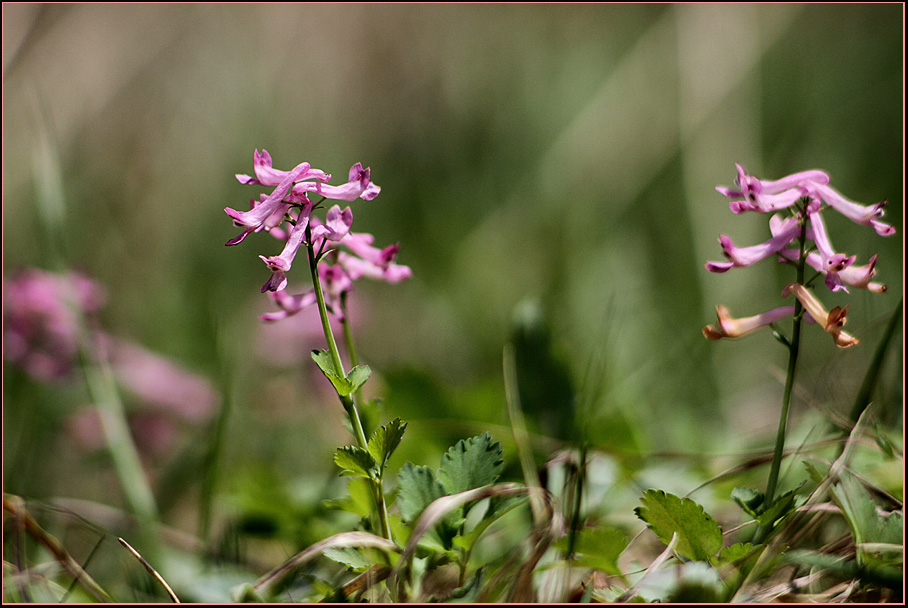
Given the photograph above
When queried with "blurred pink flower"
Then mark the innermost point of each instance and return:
(160, 383)
(41, 313)
(291, 341)
(289, 305)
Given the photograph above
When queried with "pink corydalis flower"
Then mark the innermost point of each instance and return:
(359, 185)
(289, 305)
(255, 218)
(867, 215)
(280, 264)
(765, 196)
(357, 267)
(337, 224)
(832, 322)
(729, 327)
(267, 175)
(335, 282)
(738, 257)
(810, 190)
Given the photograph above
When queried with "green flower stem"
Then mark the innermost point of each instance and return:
(382, 508)
(346, 400)
(793, 350)
(786, 406)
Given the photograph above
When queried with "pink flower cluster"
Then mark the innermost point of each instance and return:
(41, 320)
(43, 314)
(838, 269)
(350, 255)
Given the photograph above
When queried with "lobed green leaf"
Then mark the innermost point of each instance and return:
(417, 487)
(699, 536)
(470, 463)
(385, 440)
(355, 462)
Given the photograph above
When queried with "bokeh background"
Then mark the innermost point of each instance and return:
(549, 171)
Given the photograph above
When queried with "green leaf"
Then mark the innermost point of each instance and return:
(781, 508)
(740, 556)
(699, 536)
(836, 565)
(417, 487)
(245, 593)
(737, 552)
(355, 462)
(696, 583)
(748, 499)
(816, 475)
(353, 558)
(322, 358)
(359, 499)
(385, 440)
(599, 548)
(470, 463)
(343, 385)
(499, 505)
(867, 524)
(358, 376)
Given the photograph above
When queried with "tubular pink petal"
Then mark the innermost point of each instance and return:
(745, 256)
(337, 224)
(719, 267)
(832, 322)
(257, 216)
(867, 215)
(729, 327)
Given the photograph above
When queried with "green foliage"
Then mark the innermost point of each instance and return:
(346, 385)
(848, 569)
(867, 524)
(416, 488)
(471, 463)
(358, 560)
(768, 516)
(665, 514)
(748, 499)
(384, 441)
(781, 507)
(598, 548)
(543, 378)
(356, 462)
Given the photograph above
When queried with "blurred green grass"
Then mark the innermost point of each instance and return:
(563, 153)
